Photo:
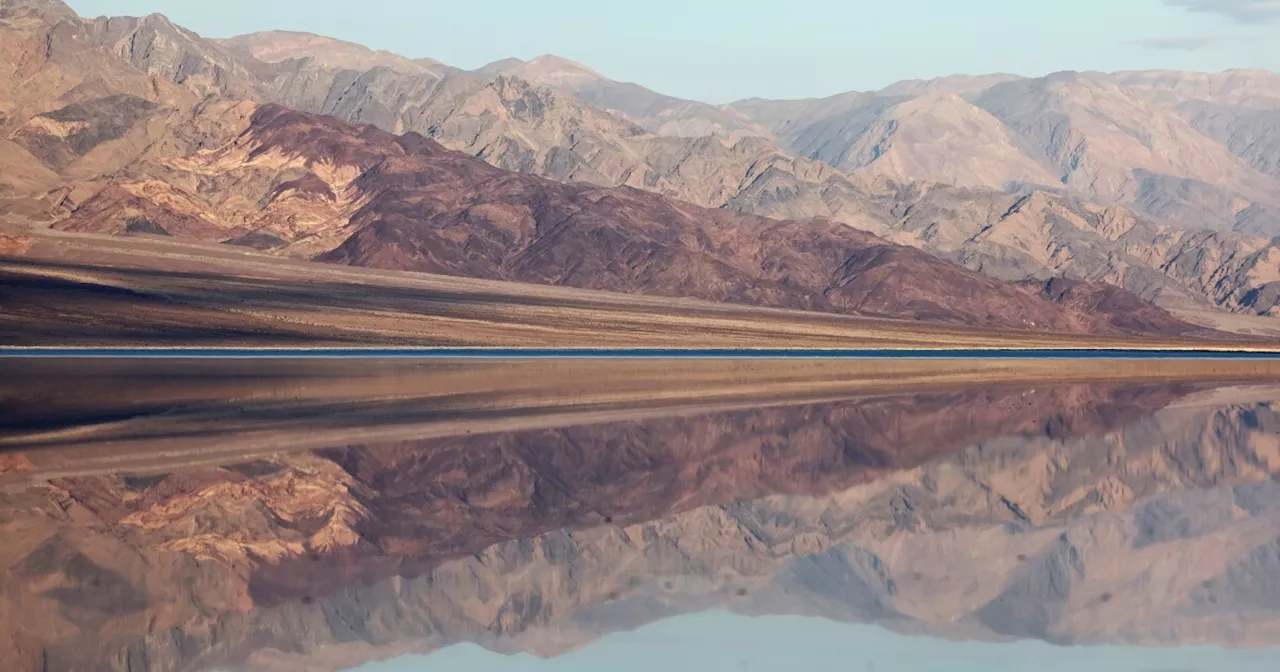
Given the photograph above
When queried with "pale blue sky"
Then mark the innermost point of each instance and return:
(722, 642)
(721, 50)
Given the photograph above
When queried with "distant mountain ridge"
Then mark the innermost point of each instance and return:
(1175, 149)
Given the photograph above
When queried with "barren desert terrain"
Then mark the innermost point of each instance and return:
(71, 289)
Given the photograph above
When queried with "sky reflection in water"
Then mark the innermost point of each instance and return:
(724, 642)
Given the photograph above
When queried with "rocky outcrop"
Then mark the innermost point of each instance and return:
(14, 245)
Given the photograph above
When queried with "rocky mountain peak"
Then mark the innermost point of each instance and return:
(277, 46)
(47, 10)
(555, 72)
(964, 85)
(499, 66)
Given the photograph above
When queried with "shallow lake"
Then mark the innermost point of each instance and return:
(639, 513)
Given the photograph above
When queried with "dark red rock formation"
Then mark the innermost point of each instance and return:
(431, 210)
(1121, 308)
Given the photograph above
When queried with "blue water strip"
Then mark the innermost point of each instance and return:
(616, 353)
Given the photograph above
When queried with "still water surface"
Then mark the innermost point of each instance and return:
(504, 515)
(622, 353)
(717, 641)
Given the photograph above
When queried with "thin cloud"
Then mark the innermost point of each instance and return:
(1180, 43)
(1241, 11)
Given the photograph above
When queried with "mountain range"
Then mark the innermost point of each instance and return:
(1159, 184)
(1147, 151)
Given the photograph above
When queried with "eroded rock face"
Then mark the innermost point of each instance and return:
(60, 137)
(943, 512)
(14, 245)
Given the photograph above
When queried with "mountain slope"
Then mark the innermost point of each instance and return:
(1091, 133)
(1254, 89)
(943, 139)
(405, 203)
(1040, 234)
(162, 49)
(664, 115)
(1108, 142)
(66, 103)
(1238, 108)
(277, 46)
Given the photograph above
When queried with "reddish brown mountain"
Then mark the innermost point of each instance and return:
(405, 203)
(428, 209)
(1123, 309)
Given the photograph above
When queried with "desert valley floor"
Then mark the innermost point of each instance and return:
(86, 290)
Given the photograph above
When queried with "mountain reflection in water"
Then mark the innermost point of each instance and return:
(182, 515)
